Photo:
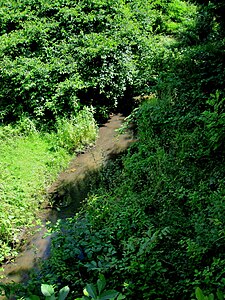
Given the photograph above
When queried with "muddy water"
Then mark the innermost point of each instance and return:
(68, 192)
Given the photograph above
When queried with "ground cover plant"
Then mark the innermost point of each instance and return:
(29, 162)
(163, 230)
(153, 223)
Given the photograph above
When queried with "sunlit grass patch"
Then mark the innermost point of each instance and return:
(29, 163)
(27, 167)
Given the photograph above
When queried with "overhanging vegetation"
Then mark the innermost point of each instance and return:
(154, 221)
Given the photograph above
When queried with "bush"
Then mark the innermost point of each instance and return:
(58, 55)
(163, 230)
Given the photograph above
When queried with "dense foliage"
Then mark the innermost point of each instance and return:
(153, 223)
(163, 217)
(59, 55)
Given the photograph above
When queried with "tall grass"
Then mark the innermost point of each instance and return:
(76, 132)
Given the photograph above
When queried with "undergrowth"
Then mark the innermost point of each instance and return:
(29, 162)
(153, 222)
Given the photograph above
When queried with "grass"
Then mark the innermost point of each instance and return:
(28, 165)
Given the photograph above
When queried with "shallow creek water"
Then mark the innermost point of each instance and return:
(71, 187)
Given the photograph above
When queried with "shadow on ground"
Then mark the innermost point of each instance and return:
(68, 193)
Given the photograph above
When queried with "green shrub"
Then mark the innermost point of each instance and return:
(163, 230)
(30, 86)
(59, 54)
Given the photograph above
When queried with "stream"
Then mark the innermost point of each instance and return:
(69, 190)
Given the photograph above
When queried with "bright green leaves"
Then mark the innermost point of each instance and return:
(101, 40)
(76, 132)
(43, 90)
(27, 167)
(29, 162)
(91, 293)
(90, 290)
(200, 295)
(48, 292)
(101, 283)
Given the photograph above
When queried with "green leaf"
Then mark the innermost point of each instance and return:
(199, 294)
(85, 292)
(107, 295)
(211, 297)
(33, 297)
(91, 290)
(120, 297)
(220, 295)
(47, 290)
(101, 283)
(63, 293)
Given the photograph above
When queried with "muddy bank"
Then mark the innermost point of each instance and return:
(67, 193)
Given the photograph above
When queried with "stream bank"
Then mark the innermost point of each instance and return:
(67, 193)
